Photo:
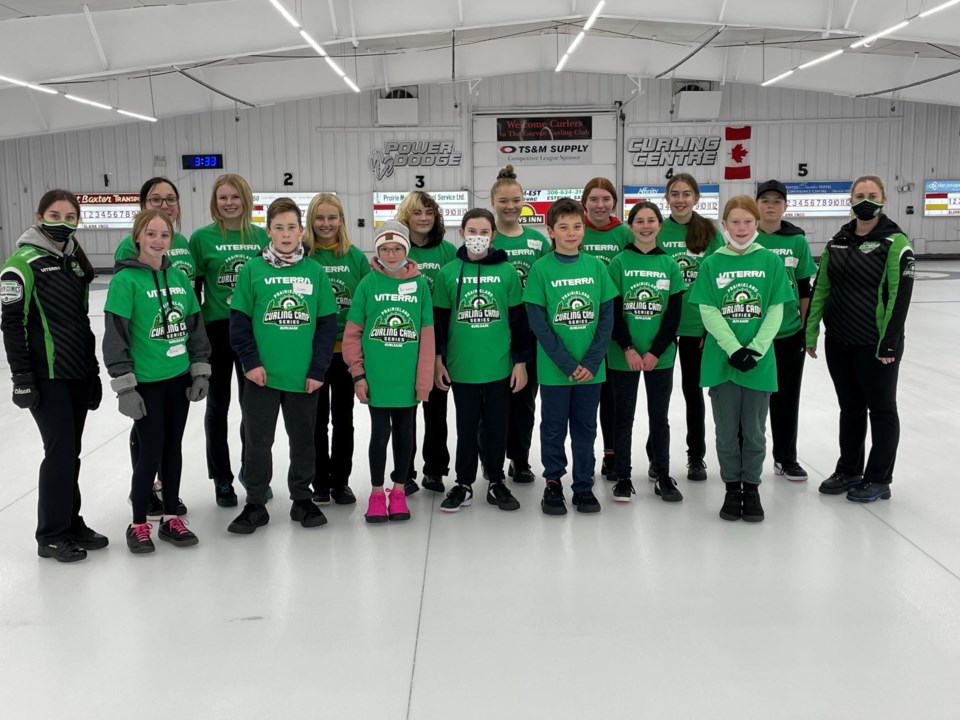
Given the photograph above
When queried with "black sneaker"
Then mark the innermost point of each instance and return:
(791, 471)
(138, 538)
(410, 487)
(608, 467)
(154, 506)
(869, 492)
(226, 496)
(651, 474)
(322, 497)
(86, 538)
(343, 495)
(174, 531)
(458, 497)
(839, 483)
(433, 483)
(522, 475)
(499, 494)
(732, 503)
(65, 551)
(553, 502)
(666, 488)
(252, 517)
(623, 490)
(696, 469)
(308, 514)
(586, 502)
(752, 509)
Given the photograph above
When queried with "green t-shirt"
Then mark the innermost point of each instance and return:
(283, 305)
(179, 253)
(742, 287)
(478, 345)
(431, 259)
(344, 274)
(392, 313)
(672, 238)
(605, 244)
(219, 258)
(795, 253)
(571, 293)
(523, 251)
(158, 327)
(645, 282)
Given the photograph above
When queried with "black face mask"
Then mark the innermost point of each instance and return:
(867, 209)
(59, 232)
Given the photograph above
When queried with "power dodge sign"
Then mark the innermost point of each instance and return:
(551, 140)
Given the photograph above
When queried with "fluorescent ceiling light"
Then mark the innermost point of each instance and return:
(563, 61)
(313, 43)
(576, 41)
(778, 78)
(87, 102)
(138, 116)
(823, 58)
(286, 15)
(334, 66)
(352, 85)
(938, 8)
(869, 39)
(21, 83)
(593, 16)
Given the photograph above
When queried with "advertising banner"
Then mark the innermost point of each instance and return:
(262, 200)
(558, 140)
(709, 205)
(453, 205)
(941, 198)
(108, 211)
(818, 199)
(537, 202)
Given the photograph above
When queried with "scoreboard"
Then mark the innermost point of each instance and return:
(453, 205)
(818, 199)
(941, 198)
(709, 205)
(262, 200)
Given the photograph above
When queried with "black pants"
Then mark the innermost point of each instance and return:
(863, 385)
(436, 456)
(491, 402)
(60, 415)
(523, 409)
(223, 364)
(398, 424)
(160, 436)
(785, 402)
(261, 405)
(659, 386)
(608, 415)
(334, 461)
(691, 356)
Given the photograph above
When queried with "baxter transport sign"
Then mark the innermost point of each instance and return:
(548, 140)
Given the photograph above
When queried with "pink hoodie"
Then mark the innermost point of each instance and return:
(426, 359)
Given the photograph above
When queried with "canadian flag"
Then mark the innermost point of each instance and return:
(737, 153)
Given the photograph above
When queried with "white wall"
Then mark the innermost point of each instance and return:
(326, 143)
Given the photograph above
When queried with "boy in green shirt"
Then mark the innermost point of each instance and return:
(741, 290)
(283, 324)
(569, 299)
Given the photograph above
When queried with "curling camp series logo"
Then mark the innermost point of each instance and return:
(478, 309)
(689, 268)
(286, 310)
(741, 303)
(394, 327)
(169, 324)
(643, 301)
(575, 310)
(227, 275)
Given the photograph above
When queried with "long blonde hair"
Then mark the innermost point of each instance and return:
(343, 237)
(246, 201)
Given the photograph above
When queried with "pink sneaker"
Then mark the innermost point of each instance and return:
(377, 508)
(398, 505)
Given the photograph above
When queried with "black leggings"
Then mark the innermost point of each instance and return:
(384, 424)
(334, 460)
(691, 356)
(160, 433)
(223, 364)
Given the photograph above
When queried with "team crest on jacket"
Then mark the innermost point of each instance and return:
(575, 310)
(394, 328)
(643, 301)
(741, 303)
(286, 310)
(227, 275)
(478, 309)
(169, 324)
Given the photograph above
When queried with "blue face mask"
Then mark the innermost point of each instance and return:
(394, 267)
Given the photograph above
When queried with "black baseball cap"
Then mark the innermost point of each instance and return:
(772, 186)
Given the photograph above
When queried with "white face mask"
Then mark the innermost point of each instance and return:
(477, 244)
(739, 246)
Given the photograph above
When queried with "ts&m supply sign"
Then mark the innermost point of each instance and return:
(550, 140)
(262, 200)
(536, 203)
(818, 199)
(709, 205)
(413, 154)
(690, 150)
(453, 205)
(108, 211)
(941, 198)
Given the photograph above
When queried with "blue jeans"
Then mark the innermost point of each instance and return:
(576, 406)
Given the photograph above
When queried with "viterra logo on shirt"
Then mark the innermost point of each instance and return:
(227, 276)
(478, 309)
(394, 328)
(741, 303)
(643, 301)
(286, 310)
(593, 248)
(169, 325)
(575, 310)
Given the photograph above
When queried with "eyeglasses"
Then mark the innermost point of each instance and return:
(159, 201)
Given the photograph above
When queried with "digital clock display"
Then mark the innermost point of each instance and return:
(202, 162)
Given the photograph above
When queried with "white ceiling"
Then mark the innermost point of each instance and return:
(125, 53)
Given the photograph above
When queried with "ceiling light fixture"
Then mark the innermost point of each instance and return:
(96, 104)
(824, 58)
(576, 41)
(593, 16)
(938, 8)
(778, 78)
(876, 36)
(286, 14)
(21, 83)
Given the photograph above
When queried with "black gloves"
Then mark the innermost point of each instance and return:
(744, 359)
(25, 395)
(96, 392)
